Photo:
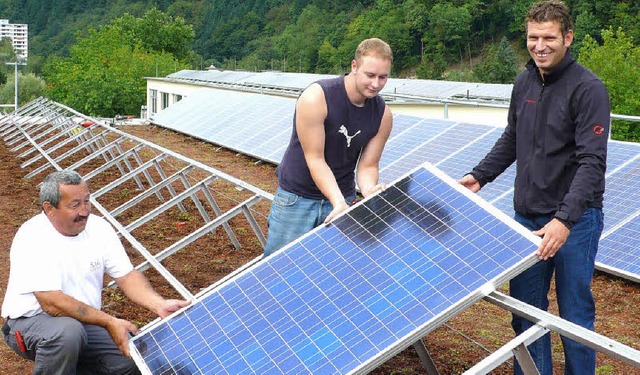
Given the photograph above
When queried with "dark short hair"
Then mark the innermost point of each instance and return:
(550, 10)
(373, 47)
(50, 188)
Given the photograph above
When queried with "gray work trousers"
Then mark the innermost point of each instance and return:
(64, 346)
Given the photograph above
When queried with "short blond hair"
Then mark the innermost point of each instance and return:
(373, 47)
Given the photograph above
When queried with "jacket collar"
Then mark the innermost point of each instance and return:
(556, 73)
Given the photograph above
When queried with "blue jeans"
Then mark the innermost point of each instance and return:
(291, 216)
(574, 266)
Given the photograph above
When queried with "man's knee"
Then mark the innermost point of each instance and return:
(68, 332)
(58, 342)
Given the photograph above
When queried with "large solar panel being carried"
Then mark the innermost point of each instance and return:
(346, 297)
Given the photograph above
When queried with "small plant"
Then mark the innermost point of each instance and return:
(185, 216)
(605, 370)
(124, 193)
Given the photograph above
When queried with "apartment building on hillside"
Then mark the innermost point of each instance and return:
(19, 34)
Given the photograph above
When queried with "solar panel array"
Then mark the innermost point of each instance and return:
(413, 87)
(350, 295)
(619, 250)
(260, 125)
(254, 124)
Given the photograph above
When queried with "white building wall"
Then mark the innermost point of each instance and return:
(19, 35)
(455, 112)
(173, 91)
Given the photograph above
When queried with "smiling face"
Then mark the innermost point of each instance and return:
(546, 44)
(370, 75)
(71, 215)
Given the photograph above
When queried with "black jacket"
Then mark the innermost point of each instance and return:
(557, 132)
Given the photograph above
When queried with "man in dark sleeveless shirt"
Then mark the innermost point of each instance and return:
(340, 127)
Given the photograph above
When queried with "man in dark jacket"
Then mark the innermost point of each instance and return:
(557, 131)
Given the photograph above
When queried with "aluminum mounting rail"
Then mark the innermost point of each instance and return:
(159, 201)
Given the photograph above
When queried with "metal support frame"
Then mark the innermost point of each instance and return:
(143, 195)
(565, 328)
(517, 347)
(52, 135)
(201, 231)
(425, 357)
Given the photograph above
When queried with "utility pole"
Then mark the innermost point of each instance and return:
(19, 61)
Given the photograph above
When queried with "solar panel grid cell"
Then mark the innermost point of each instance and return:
(622, 251)
(398, 157)
(621, 197)
(619, 153)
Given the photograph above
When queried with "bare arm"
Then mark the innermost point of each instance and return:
(134, 285)
(311, 111)
(138, 290)
(369, 164)
(56, 303)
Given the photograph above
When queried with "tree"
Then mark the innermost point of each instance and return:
(30, 88)
(626, 15)
(384, 20)
(586, 24)
(299, 43)
(159, 32)
(232, 39)
(434, 63)
(7, 54)
(451, 26)
(498, 64)
(104, 74)
(617, 63)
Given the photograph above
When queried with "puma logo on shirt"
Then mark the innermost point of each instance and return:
(344, 131)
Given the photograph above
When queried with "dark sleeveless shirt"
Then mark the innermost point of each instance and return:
(348, 128)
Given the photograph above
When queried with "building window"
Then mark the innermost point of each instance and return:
(164, 100)
(153, 98)
(177, 98)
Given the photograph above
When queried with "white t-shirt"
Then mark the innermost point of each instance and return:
(42, 259)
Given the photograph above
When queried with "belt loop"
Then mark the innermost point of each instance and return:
(5, 328)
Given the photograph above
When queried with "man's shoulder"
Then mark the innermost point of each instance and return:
(330, 84)
(35, 222)
(578, 73)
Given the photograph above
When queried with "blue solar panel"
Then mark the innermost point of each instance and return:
(620, 252)
(275, 126)
(457, 137)
(504, 202)
(621, 197)
(348, 295)
(620, 152)
(408, 149)
(403, 131)
(500, 191)
(254, 124)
